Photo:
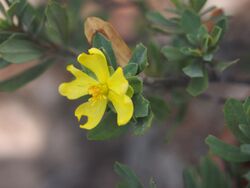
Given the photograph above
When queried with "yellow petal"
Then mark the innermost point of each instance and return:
(78, 87)
(96, 62)
(123, 106)
(117, 82)
(94, 110)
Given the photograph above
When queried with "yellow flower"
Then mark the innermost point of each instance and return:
(105, 88)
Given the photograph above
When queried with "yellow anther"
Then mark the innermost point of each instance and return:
(98, 91)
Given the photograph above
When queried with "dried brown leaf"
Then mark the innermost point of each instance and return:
(121, 50)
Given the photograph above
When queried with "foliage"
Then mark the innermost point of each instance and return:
(237, 117)
(195, 41)
(35, 34)
(129, 178)
(48, 34)
(207, 176)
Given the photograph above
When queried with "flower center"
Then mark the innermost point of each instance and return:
(99, 91)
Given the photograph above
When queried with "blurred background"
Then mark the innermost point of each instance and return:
(41, 145)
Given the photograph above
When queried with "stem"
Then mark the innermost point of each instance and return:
(50, 47)
(169, 83)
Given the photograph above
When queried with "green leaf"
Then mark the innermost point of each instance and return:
(76, 5)
(223, 24)
(208, 57)
(193, 39)
(246, 104)
(4, 25)
(2, 9)
(194, 70)
(34, 22)
(197, 4)
(129, 177)
(245, 129)
(158, 18)
(221, 66)
(143, 124)
(57, 23)
(190, 21)
(19, 8)
(235, 115)
(211, 175)
(136, 84)
(27, 15)
(156, 68)
(108, 128)
(5, 35)
(91, 73)
(191, 51)
(139, 56)
(198, 85)
(159, 107)
(13, 8)
(130, 69)
(190, 178)
(205, 46)
(24, 77)
(245, 148)
(3, 63)
(100, 41)
(172, 54)
(173, 11)
(177, 3)
(74, 12)
(11, 1)
(111, 70)
(130, 91)
(141, 106)
(216, 35)
(37, 25)
(19, 51)
(226, 151)
(202, 33)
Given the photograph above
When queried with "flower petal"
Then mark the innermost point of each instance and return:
(117, 82)
(96, 62)
(78, 87)
(123, 106)
(94, 111)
